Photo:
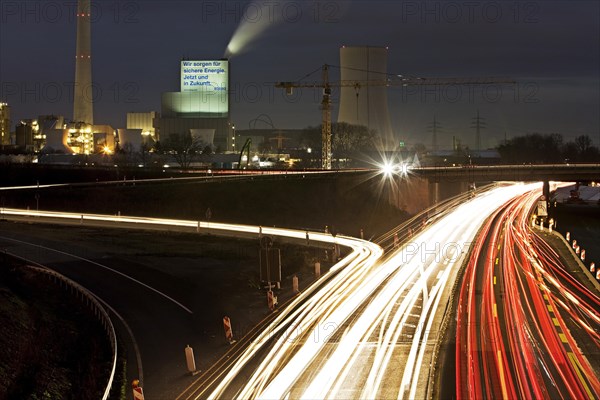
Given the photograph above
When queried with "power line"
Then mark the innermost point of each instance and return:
(478, 124)
(434, 129)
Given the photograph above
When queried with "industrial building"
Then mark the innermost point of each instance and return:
(145, 122)
(24, 136)
(31, 134)
(202, 103)
(4, 124)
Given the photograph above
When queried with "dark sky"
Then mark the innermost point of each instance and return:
(551, 48)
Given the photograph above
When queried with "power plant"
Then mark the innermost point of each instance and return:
(365, 105)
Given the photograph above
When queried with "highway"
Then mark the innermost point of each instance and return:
(370, 331)
(370, 328)
(522, 320)
(161, 312)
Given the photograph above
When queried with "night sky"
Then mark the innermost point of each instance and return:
(551, 48)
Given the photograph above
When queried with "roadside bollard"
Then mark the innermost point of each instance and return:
(138, 392)
(295, 284)
(396, 240)
(317, 269)
(574, 244)
(577, 250)
(362, 234)
(568, 236)
(228, 330)
(582, 255)
(593, 267)
(190, 361)
(271, 300)
(598, 274)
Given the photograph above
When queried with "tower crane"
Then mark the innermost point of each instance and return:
(399, 80)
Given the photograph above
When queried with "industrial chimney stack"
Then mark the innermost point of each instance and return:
(83, 106)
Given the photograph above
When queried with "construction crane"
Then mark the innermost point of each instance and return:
(398, 80)
(279, 139)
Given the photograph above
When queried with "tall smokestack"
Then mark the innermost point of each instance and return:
(83, 108)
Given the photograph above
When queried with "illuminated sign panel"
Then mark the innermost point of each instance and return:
(209, 79)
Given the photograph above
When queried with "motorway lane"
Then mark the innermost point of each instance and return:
(512, 339)
(158, 317)
(376, 325)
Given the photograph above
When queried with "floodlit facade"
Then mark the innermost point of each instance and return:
(144, 121)
(368, 104)
(202, 103)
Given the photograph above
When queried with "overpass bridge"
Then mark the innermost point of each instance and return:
(446, 181)
(412, 190)
(519, 173)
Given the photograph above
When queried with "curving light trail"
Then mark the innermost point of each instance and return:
(513, 337)
(370, 331)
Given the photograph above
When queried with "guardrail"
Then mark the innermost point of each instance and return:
(198, 177)
(91, 301)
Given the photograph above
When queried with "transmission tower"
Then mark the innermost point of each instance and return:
(478, 124)
(434, 129)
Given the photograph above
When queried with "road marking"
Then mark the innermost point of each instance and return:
(550, 308)
(494, 279)
(555, 320)
(499, 245)
(497, 259)
(562, 337)
(545, 296)
(577, 368)
(105, 267)
(136, 349)
(495, 310)
(502, 382)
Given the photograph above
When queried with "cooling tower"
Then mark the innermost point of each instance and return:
(83, 110)
(366, 105)
(56, 142)
(205, 136)
(130, 139)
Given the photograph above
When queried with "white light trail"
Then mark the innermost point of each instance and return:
(344, 339)
(410, 282)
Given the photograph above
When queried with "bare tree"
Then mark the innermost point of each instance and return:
(350, 139)
(184, 148)
(583, 143)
